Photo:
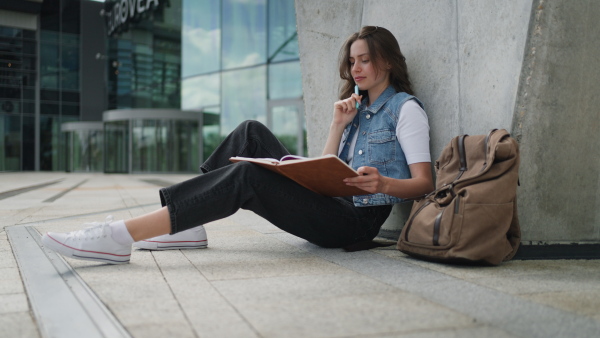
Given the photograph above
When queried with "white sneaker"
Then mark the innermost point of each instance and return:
(92, 244)
(194, 238)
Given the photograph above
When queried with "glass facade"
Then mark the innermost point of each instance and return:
(144, 56)
(18, 73)
(84, 142)
(223, 60)
(241, 61)
(152, 140)
(59, 78)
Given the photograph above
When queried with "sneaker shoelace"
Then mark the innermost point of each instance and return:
(94, 230)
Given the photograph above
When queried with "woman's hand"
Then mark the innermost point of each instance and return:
(343, 113)
(369, 180)
(345, 110)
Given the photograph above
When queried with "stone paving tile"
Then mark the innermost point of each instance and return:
(317, 286)
(308, 306)
(116, 283)
(582, 302)
(13, 302)
(11, 181)
(18, 324)
(244, 245)
(255, 222)
(470, 332)
(542, 282)
(4, 244)
(209, 313)
(148, 310)
(7, 260)
(10, 280)
(160, 330)
(526, 284)
(265, 268)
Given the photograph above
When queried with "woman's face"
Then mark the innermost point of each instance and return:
(365, 73)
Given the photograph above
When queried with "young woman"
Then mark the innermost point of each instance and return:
(382, 132)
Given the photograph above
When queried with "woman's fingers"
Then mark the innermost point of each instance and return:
(369, 179)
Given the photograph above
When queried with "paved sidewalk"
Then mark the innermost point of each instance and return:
(257, 281)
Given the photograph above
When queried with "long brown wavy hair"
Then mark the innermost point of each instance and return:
(383, 49)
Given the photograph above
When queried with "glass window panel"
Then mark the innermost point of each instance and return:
(28, 158)
(70, 96)
(200, 91)
(285, 80)
(28, 107)
(70, 39)
(80, 152)
(70, 67)
(96, 151)
(201, 37)
(10, 92)
(244, 33)
(29, 64)
(10, 142)
(50, 16)
(70, 16)
(29, 47)
(9, 31)
(70, 109)
(49, 67)
(283, 39)
(49, 95)
(50, 143)
(184, 144)
(28, 94)
(244, 97)
(49, 109)
(28, 34)
(288, 126)
(116, 146)
(143, 144)
(51, 37)
(211, 130)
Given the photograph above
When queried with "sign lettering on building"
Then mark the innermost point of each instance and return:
(120, 13)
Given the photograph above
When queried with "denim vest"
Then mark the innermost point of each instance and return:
(377, 145)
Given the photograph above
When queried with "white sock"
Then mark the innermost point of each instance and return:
(120, 233)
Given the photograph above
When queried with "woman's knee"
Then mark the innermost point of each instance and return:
(251, 126)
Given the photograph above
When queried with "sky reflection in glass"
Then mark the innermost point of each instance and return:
(244, 97)
(244, 33)
(201, 37)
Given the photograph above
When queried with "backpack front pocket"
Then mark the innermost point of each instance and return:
(435, 226)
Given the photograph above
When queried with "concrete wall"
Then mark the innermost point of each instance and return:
(468, 61)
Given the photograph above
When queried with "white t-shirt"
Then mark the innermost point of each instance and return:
(412, 132)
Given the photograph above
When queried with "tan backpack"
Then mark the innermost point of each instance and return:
(472, 215)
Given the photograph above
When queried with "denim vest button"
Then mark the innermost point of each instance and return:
(360, 152)
(364, 133)
(368, 116)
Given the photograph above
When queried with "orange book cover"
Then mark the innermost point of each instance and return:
(323, 175)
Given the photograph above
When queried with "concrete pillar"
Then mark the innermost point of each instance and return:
(527, 66)
(557, 123)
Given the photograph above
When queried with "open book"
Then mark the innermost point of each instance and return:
(323, 175)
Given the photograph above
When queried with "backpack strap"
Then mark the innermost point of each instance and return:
(487, 143)
(462, 156)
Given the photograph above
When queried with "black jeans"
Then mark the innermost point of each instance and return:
(225, 187)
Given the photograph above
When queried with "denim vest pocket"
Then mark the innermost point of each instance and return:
(382, 146)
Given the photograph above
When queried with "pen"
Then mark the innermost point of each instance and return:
(356, 92)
